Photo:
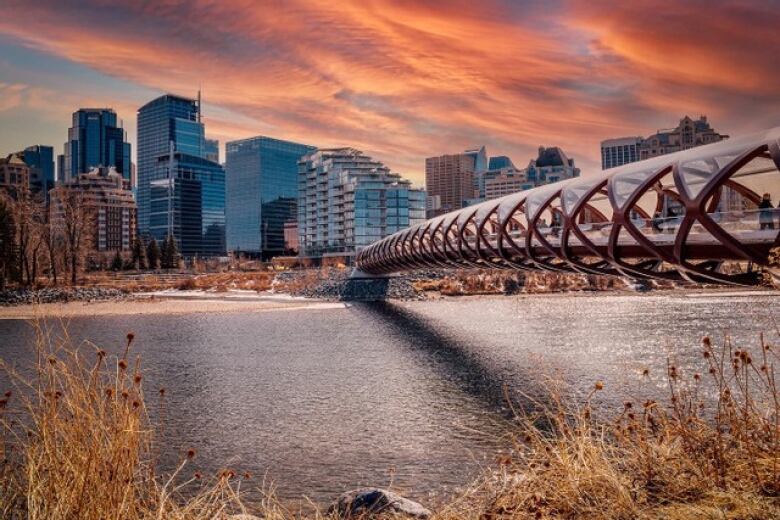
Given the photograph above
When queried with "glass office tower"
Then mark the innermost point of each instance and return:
(262, 191)
(211, 150)
(187, 199)
(162, 121)
(40, 159)
(95, 139)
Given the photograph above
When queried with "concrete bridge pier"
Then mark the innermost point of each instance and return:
(365, 287)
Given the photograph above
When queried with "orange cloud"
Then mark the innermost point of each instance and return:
(405, 79)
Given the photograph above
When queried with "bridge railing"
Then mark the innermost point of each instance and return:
(677, 216)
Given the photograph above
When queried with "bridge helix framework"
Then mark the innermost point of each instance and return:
(690, 216)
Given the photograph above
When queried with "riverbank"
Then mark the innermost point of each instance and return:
(180, 302)
(166, 303)
(334, 284)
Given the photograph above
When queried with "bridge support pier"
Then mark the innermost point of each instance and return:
(365, 287)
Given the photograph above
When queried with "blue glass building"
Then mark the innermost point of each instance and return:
(40, 159)
(500, 161)
(187, 199)
(95, 139)
(262, 191)
(180, 191)
(211, 150)
(162, 121)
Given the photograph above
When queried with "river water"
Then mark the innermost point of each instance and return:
(406, 394)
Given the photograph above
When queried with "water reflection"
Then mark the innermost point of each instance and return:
(409, 393)
(452, 358)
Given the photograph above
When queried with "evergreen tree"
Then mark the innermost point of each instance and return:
(139, 254)
(153, 254)
(171, 253)
(165, 258)
(117, 263)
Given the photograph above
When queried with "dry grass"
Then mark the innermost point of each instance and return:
(711, 451)
(77, 443)
(495, 281)
(221, 282)
(473, 282)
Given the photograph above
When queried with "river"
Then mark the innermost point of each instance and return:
(409, 394)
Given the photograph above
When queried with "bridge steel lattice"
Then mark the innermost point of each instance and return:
(691, 215)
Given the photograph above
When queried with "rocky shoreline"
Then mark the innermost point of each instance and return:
(333, 284)
(59, 295)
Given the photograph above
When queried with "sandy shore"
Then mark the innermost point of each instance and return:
(161, 303)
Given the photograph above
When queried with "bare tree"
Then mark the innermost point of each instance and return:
(29, 220)
(55, 248)
(73, 220)
(8, 248)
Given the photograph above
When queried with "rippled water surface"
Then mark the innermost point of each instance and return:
(319, 401)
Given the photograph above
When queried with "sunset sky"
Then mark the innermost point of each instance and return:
(399, 79)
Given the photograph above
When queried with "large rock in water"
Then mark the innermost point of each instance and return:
(376, 502)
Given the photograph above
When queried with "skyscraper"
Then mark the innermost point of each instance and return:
(95, 139)
(40, 159)
(480, 167)
(500, 161)
(211, 150)
(347, 201)
(162, 121)
(180, 191)
(451, 178)
(187, 200)
(261, 193)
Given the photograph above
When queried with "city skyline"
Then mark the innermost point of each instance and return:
(403, 80)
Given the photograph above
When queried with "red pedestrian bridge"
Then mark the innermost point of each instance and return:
(693, 215)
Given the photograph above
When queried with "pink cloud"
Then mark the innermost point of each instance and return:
(404, 80)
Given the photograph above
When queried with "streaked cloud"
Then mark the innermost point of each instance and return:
(407, 79)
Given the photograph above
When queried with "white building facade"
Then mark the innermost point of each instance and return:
(347, 200)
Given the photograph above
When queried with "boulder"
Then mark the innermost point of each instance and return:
(375, 502)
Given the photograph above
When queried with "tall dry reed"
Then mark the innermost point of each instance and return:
(76, 442)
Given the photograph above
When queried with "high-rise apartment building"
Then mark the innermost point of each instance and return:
(261, 193)
(620, 151)
(506, 181)
(689, 133)
(96, 138)
(480, 167)
(162, 121)
(451, 179)
(105, 194)
(347, 200)
(187, 200)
